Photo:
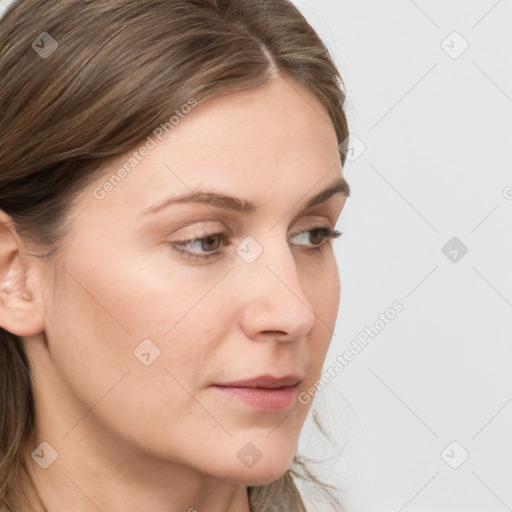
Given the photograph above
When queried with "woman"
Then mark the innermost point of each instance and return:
(170, 178)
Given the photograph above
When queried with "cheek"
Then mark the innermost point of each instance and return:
(109, 318)
(322, 288)
(321, 284)
(99, 322)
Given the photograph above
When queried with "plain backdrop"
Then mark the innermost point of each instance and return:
(422, 414)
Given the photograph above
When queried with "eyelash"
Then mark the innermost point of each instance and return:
(329, 234)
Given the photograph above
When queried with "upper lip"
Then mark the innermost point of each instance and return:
(263, 381)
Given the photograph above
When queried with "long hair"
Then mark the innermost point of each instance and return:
(82, 82)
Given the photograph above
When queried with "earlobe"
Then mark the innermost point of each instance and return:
(20, 307)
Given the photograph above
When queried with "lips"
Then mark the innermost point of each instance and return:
(264, 381)
(264, 393)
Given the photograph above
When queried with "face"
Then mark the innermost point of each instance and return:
(143, 322)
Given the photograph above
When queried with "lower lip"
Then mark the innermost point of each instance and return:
(267, 400)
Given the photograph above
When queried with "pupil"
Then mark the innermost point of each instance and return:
(319, 235)
(207, 241)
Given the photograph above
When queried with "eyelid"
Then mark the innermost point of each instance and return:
(219, 225)
(317, 225)
(227, 232)
(204, 230)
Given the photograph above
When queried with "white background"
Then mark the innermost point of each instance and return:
(438, 136)
(437, 132)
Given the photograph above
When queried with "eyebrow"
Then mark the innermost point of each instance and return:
(242, 205)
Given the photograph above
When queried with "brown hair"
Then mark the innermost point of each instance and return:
(107, 74)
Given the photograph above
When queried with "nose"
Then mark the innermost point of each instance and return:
(272, 297)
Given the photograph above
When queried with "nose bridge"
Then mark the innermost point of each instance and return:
(274, 299)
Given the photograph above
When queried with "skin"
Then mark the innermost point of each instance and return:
(132, 437)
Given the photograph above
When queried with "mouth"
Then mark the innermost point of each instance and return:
(264, 393)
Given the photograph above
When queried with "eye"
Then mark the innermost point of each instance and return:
(319, 238)
(208, 245)
(317, 235)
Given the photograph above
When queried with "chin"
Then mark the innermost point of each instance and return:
(254, 477)
(254, 468)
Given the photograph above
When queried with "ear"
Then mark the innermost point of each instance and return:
(21, 311)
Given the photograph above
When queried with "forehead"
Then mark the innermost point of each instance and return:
(253, 143)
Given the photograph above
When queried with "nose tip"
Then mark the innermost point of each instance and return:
(275, 304)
